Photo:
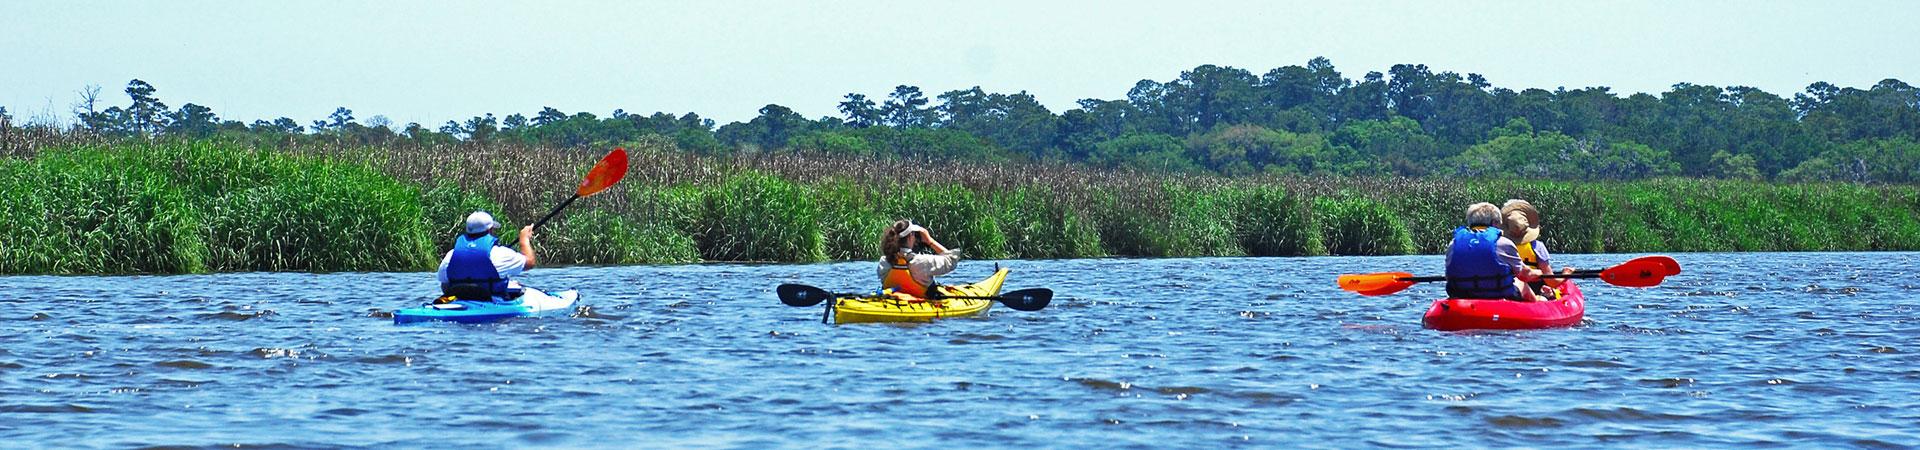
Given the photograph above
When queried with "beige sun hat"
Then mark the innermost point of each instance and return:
(1520, 221)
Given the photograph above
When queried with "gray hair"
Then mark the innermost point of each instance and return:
(1483, 214)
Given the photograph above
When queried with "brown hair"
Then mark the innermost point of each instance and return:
(890, 240)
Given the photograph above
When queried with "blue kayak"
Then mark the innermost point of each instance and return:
(531, 303)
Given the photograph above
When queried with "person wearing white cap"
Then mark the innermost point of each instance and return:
(476, 269)
(907, 271)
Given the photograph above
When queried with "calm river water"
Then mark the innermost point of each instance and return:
(1816, 350)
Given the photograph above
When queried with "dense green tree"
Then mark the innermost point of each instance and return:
(906, 108)
(1895, 160)
(1411, 120)
(1152, 152)
(860, 111)
(146, 113)
(193, 120)
(771, 130)
(1016, 122)
(1399, 144)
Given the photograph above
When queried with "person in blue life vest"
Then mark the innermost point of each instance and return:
(907, 271)
(1520, 223)
(1481, 263)
(476, 269)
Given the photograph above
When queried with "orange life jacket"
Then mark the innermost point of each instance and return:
(900, 278)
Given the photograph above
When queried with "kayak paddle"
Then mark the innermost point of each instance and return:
(800, 295)
(604, 174)
(1645, 271)
(1023, 300)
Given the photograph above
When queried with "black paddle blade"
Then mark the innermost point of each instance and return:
(802, 295)
(1027, 299)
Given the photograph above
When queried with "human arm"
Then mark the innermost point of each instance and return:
(1508, 254)
(1546, 266)
(526, 246)
(927, 237)
(441, 273)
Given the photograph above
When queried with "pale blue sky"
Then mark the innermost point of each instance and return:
(429, 62)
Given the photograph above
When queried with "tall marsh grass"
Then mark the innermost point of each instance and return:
(83, 205)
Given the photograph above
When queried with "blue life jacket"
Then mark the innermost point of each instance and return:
(470, 272)
(1473, 266)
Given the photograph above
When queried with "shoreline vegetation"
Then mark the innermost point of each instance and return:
(79, 205)
(1218, 161)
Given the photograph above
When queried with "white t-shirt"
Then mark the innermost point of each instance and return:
(505, 260)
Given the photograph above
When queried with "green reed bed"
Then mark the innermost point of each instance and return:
(168, 207)
(176, 207)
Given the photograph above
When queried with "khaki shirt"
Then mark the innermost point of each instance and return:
(924, 266)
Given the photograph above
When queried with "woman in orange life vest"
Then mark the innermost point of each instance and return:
(1520, 222)
(907, 271)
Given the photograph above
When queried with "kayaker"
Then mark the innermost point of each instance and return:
(906, 270)
(476, 269)
(1520, 223)
(1483, 264)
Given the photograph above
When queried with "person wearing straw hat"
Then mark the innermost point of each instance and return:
(476, 269)
(1484, 264)
(909, 272)
(1520, 222)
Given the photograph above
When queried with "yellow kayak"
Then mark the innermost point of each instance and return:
(897, 307)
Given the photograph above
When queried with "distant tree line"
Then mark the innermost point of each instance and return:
(1409, 121)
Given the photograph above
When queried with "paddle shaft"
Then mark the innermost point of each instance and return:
(969, 297)
(556, 211)
(549, 216)
(1575, 274)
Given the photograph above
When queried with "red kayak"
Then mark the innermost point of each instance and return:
(1454, 314)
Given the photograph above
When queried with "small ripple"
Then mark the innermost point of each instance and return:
(1598, 364)
(184, 364)
(180, 383)
(968, 338)
(1625, 414)
(387, 359)
(544, 438)
(1882, 349)
(1667, 382)
(270, 353)
(1524, 422)
(1624, 328)
(1817, 289)
(64, 408)
(238, 316)
(344, 412)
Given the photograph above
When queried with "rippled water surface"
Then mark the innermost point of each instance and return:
(1813, 350)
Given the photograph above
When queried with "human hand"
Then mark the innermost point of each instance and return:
(526, 233)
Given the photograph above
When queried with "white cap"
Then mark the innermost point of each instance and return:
(911, 229)
(480, 222)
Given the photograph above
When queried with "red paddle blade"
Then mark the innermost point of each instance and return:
(610, 170)
(1372, 284)
(1646, 271)
(1672, 266)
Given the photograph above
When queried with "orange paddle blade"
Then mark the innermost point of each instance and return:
(1646, 271)
(610, 170)
(1371, 284)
